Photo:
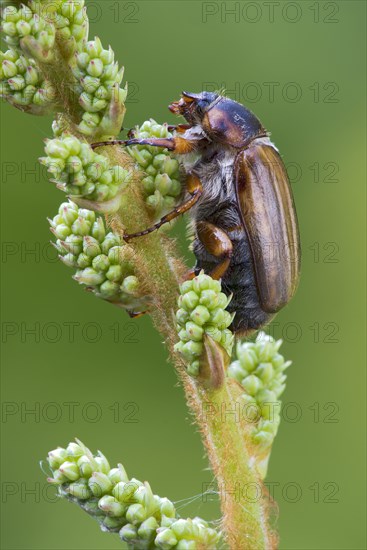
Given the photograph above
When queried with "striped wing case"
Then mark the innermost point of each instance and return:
(268, 213)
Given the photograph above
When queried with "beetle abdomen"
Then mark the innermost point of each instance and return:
(245, 301)
(239, 280)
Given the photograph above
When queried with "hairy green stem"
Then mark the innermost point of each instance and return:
(240, 486)
(59, 72)
(160, 280)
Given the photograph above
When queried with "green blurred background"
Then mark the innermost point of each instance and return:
(126, 399)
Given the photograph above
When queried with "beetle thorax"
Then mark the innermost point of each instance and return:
(213, 163)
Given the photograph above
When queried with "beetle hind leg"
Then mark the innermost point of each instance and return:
(194, 188)
(217, 243)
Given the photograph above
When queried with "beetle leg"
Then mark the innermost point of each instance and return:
(194, 188)
(179, 145)
(111, 142)
(136, 314)
(178, 127)
(217, 243)
(190, 275)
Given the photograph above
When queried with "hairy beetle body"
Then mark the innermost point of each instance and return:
(243, 215)
(218, 205)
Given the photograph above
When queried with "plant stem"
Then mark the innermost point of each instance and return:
(59, 73)
(244, 510)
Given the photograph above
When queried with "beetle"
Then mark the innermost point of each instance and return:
(242, 210)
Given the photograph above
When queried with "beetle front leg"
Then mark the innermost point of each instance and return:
(178, 145)
(217, 243)
(167, 143)
(180, 128)
(194, 188)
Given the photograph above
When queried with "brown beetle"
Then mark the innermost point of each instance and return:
(241, 203)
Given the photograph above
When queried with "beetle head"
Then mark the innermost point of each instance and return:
(193, 106)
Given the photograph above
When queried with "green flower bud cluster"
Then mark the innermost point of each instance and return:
(260, 370)
(122, 505)
(68, 17)
(22, 84)
(162, 184)
(101, 97)
(25, 29)
(202, 311)
(103, 263)
(81, 172)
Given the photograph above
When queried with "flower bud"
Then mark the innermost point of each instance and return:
(99, 484)
(85, 466)
(189, 300)
(62, 231)
(100, 263)
(16, 83)
(265, 371)
(130, 285)
(237, 371)
(83, 261)
(74, 449)
(214, 332)
(165, 539)
(136, 514)
(111, 506)
(59, 477)
(9, 29)
(193, 368)
(89, 276)
(68, 213)
(79, 490)
(10, 13)
(9, 69)
(113, 524)
(56, 457)
(252, 384)
(167, 508)
(148, 528)
(102, 463)
(70, 470)
(56, 148)
(209, 298)
(192, 349)
(194, 331)
(118, 474)
(114, 273)
(31, 76)
(128, 533)
(200, 315)
(124, 491)
(91, 246)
